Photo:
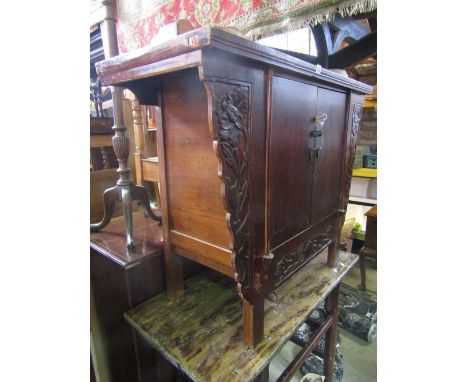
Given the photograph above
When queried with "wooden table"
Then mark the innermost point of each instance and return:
(201, 333)
(370, 243)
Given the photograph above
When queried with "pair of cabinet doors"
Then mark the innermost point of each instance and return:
(304, 186)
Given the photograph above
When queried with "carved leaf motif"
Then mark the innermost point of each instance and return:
(356, 119)
(231, 157)
(232, 129)
(303, 253)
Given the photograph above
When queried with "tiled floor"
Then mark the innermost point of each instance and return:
(360, 357)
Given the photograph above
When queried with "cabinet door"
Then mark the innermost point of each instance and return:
(329, 161)
(293, 107)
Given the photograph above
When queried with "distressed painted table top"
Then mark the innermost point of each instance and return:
(201, 333)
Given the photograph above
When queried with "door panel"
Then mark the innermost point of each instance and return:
(328, 164)
(290, 171)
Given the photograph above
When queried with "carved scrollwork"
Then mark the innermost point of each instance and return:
(356, 119)
(232, 130)
(303, 253)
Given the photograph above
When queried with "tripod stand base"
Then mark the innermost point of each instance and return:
(125, 194)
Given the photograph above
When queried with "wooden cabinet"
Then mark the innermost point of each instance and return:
(120, 280)
(255, 151)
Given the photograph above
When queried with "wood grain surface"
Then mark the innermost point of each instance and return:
(201, 333)
(241, 192)
(111, 241)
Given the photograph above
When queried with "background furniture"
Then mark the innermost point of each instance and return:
(279, 173)
(202, 333)
(125, 191)
(103, 43)
(146, 159)
(104, 175)
(120, 280)
(370, 243)
(103, 164)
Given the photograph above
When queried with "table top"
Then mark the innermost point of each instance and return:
(112, 243)
(201, 333)
(372, 212)
(158, 59)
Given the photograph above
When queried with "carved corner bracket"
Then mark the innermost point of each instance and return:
(352, 143)
(230, 129)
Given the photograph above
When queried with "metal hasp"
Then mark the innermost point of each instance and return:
(315, 143)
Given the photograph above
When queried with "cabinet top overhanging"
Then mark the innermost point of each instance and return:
(187, 50)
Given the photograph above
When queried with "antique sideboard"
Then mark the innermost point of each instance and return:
(255, 150)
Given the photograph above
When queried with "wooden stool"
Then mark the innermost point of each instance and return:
(370, 244)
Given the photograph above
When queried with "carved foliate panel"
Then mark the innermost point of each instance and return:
(356, 119)
(231, 140)
(303, 253)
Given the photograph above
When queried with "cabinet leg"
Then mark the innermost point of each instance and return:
(330, 337)
(332, 253)
(174, 272)
(362, 266)
(253, 322)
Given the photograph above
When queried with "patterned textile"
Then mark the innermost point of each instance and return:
(140, 20)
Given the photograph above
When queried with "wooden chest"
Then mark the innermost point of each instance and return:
(256, 150)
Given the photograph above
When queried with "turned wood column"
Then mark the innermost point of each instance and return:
(138, 127)
(125, 191)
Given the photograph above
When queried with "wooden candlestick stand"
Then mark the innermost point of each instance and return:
(125, 191)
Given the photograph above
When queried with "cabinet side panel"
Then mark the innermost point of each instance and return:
(328, 166)
(195, 204)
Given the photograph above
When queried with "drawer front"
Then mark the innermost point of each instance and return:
(289, 257)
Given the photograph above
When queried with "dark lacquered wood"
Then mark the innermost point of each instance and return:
(240, 191)
(111, 242)
(327, 167)
(120, 280)
(289, 166)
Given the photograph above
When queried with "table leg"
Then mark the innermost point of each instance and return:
(331, 305)
(362, 266)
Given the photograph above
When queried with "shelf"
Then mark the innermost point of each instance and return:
(362, 201)
(365, 172)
